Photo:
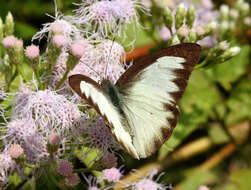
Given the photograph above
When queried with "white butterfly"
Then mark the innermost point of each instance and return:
(141, 108)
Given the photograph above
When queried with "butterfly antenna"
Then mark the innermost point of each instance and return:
(106, 67)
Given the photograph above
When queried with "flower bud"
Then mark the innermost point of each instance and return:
(183, 31)
(1, 30)
(32, 52)
(53, 142)
(72, 179)
(190, 16)
(234, 14)
(247, 21)
(168, 18)
(224, 45)
(211, 27)
(233, 51)
(65, 167)
(9, 25)
(192, 36)
(224, 10)
(76, 52)
(16, 152)
(180, 15)
(59, 40)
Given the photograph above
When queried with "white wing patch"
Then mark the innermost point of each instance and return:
(107, 109)
(144, 104)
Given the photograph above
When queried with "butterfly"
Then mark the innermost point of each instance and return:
(141, 108)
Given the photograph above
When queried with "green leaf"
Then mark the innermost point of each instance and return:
(196, 178)
(239, 180)
(239, 102)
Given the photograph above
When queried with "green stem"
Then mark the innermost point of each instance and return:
(11, 80)
(30, 165)
(201, 65)
(82, 170)
(21, 72)
(63, 79)
(38, 78)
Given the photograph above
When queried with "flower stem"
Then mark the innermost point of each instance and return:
(63, 79)
(21, 72)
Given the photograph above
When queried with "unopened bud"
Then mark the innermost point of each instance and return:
(183, 31)
(168, 18)
(9, 25)
(228, 54)
(224, 45)
(32, 52)
(53, 142)
(247, 21)
(224, 10)
(190, 16)
(180, 15)
(192, 36)
(16, 151)
(234, 14)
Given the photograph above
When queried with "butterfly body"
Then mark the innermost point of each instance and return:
(141, 108)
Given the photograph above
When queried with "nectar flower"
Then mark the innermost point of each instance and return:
(32, 52)
(6, 166)
(15, 151)
(65, 167)
(112, 175)
(109, 160)
(99, 136)
(148, 183)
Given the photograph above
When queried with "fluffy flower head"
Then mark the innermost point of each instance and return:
(112, 175)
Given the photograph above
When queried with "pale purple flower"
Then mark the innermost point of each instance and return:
(25, 133)
(61, 25)
(15, 151)
(32, 52)
(6, 166)
(99, 136)
(108, 17)
(50, 111)
(112, 174)
(72, 179)
(65, 167)
(148, 183)
(59, 40)
(9, 42)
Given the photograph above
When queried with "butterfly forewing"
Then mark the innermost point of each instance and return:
(149, 92)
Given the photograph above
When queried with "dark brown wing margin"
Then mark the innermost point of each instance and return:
(74, 82)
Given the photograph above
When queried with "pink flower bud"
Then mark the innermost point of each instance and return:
(72, 179)
(9, 42)
(183, 31)
(15, 151)
(59, 40)
(65, 168)
(32, 52)
(77, 49)
(54, 139)
(19, 43)
(165, 33)
(199, 30)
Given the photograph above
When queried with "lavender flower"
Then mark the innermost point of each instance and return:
(6, 166)
(148, 183)
(65, 168)
(112, 174)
